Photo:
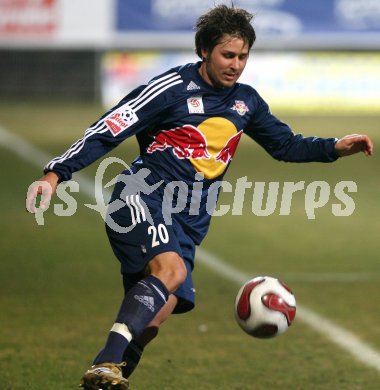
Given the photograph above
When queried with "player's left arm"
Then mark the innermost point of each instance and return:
(282, 144)
(354, 143)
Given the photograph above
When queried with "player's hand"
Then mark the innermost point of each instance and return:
(354, 143)
(45, 187)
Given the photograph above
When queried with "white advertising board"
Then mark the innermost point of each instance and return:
(55, 23)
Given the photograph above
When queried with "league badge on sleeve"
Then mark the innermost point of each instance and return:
(120, 119)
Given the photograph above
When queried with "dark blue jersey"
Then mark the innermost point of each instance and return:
(184, 126)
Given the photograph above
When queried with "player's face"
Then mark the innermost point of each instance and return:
(224, 65)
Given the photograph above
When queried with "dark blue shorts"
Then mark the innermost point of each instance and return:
(138, 232)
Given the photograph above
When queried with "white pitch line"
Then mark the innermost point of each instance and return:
(338, 335)
(330, 277)
(37, 157)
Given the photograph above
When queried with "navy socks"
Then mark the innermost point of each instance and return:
(140, 305)
(132, 356)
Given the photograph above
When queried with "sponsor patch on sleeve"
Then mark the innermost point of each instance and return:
(120, 119)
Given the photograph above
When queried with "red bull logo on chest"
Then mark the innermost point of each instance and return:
(187, 142)
(209, 147)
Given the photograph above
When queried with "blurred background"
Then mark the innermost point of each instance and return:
(310, 56)
(317, 64)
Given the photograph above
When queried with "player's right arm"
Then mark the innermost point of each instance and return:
(45, 187)
(131, 115)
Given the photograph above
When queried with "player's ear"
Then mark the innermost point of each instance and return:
(204, 53)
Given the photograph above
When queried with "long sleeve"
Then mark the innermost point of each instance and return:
(282, 144)
(130, 116)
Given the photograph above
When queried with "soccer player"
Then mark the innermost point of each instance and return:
(188, 122)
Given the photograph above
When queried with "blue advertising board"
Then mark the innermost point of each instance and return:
(272, 17)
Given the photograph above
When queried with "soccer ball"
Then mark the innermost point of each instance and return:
(265, 307)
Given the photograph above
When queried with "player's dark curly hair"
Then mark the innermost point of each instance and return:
(222, 20)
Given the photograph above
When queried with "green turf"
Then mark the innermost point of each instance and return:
(60, 286)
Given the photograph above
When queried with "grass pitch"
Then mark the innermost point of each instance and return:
(60, 286)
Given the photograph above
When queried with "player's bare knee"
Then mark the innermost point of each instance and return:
(180, 271)
(173, 275)
(170, 269)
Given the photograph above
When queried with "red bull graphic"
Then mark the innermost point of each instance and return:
(209, 147)
(240, 107)
(228, 151)
(186, 141)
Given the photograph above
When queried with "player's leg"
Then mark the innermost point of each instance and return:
(181, 301)
(138, 250)
(142, 303)
(139, 307)
(133, 353)
(135, 349)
